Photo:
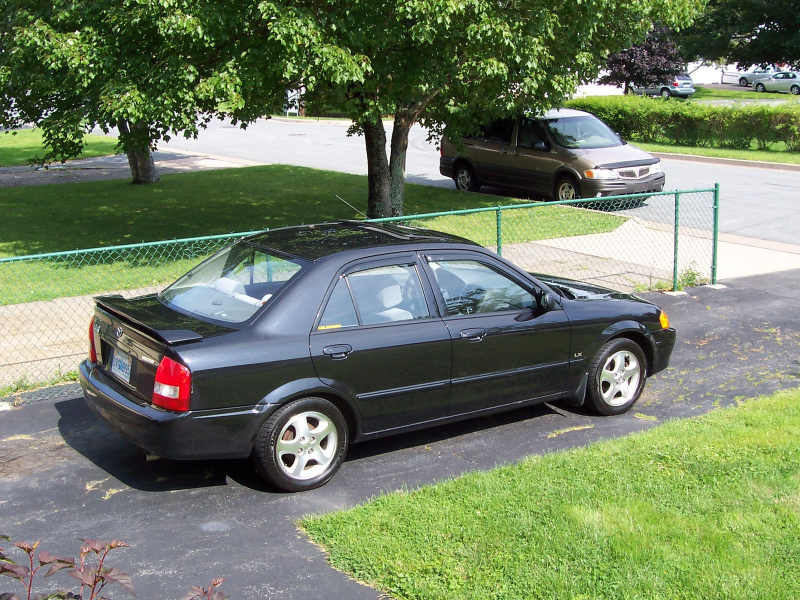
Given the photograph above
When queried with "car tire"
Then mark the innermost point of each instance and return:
(465, 178)
(302, 445)
(795, 89)
(665, 93)
(567, 188)
(617, 375)
(743, 81)
(760, 88)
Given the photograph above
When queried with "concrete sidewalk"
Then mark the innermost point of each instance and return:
(116, 167)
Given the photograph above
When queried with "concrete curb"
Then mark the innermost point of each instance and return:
(737, 162)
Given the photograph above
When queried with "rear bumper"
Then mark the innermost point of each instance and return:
(664, 344)
(207, 434)
(446, 165)
(592, 188)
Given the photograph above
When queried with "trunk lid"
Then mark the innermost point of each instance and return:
(133, 335)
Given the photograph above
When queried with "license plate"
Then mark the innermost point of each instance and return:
(121, 366)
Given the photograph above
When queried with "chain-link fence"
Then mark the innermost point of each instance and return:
(630, 243)
(46, 302)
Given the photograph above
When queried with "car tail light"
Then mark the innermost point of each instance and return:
(675, 83)
(92, 350)
(663, 319)
(173, 385)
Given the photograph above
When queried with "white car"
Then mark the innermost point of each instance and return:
(750, 77)
(787, 82)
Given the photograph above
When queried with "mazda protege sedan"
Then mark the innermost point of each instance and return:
(290, 344)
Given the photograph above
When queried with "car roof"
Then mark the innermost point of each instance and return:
(313, 242)
(558, 113)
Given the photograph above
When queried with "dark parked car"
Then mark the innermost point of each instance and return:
(290, 344)
(564, 154)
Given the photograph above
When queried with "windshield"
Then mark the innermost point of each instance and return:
(582, 132)
(231, 285)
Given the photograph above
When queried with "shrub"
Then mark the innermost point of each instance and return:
(690, 124)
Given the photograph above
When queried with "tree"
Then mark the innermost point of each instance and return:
(746, 33)
(456, 63)
(148, 68)
(656, 60)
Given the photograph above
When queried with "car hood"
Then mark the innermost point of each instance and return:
(626, 155)
(580, 290)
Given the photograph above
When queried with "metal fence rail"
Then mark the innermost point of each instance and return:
(631, 243)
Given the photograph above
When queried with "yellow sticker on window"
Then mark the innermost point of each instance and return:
(321, 327)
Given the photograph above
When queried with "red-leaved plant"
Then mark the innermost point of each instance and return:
(93, 574)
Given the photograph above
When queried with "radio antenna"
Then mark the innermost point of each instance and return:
(351, 206)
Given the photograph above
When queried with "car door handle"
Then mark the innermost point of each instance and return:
(473, 335)
(337, 352)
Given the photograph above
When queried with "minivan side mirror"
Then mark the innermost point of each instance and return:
(547, 302)
(544, 147)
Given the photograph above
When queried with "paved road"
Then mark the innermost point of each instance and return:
(756, 203)
(64, 475)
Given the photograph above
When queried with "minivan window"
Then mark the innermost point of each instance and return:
(498, 131)
(582, 132)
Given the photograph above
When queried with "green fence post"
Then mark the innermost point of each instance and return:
(715, 239)
(499, 231)
(675, 249)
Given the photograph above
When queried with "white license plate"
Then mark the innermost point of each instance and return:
(121, 366)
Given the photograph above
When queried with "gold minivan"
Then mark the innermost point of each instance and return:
(564, 154)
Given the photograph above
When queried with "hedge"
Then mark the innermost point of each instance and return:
(691, 124)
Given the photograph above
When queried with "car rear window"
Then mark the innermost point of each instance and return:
(231, 285)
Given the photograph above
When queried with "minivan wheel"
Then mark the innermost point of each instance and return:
(465, 178)
(665, 94)
(743, 81)
(760, 87)
(567, 189)
(302, 445)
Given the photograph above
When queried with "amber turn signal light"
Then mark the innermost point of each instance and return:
(664, 319)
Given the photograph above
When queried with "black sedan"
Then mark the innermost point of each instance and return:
(292, 343)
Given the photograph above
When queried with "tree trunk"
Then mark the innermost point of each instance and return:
(397, 160)
(379, 200)
(140, 159)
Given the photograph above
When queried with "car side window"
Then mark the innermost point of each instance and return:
(388, 294)
(471, 287)
(340, 311)
(382, 295)
(498, 131)
(530, 132)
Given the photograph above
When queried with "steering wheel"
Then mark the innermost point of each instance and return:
(490, 303)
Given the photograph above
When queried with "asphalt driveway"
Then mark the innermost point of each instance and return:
(64, 475)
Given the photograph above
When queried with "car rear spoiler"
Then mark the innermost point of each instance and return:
(171, 337)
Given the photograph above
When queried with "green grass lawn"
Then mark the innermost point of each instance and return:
(778, 154)
(61, 217)
(18, 146)
(703, 508)
(740, 93)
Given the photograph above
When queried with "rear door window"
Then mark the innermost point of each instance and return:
(498, 131)
(385, 294)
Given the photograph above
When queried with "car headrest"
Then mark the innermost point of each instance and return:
(228, 286)
(390, 296)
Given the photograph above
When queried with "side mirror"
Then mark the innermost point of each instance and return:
(547, 302)
(541, 146)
